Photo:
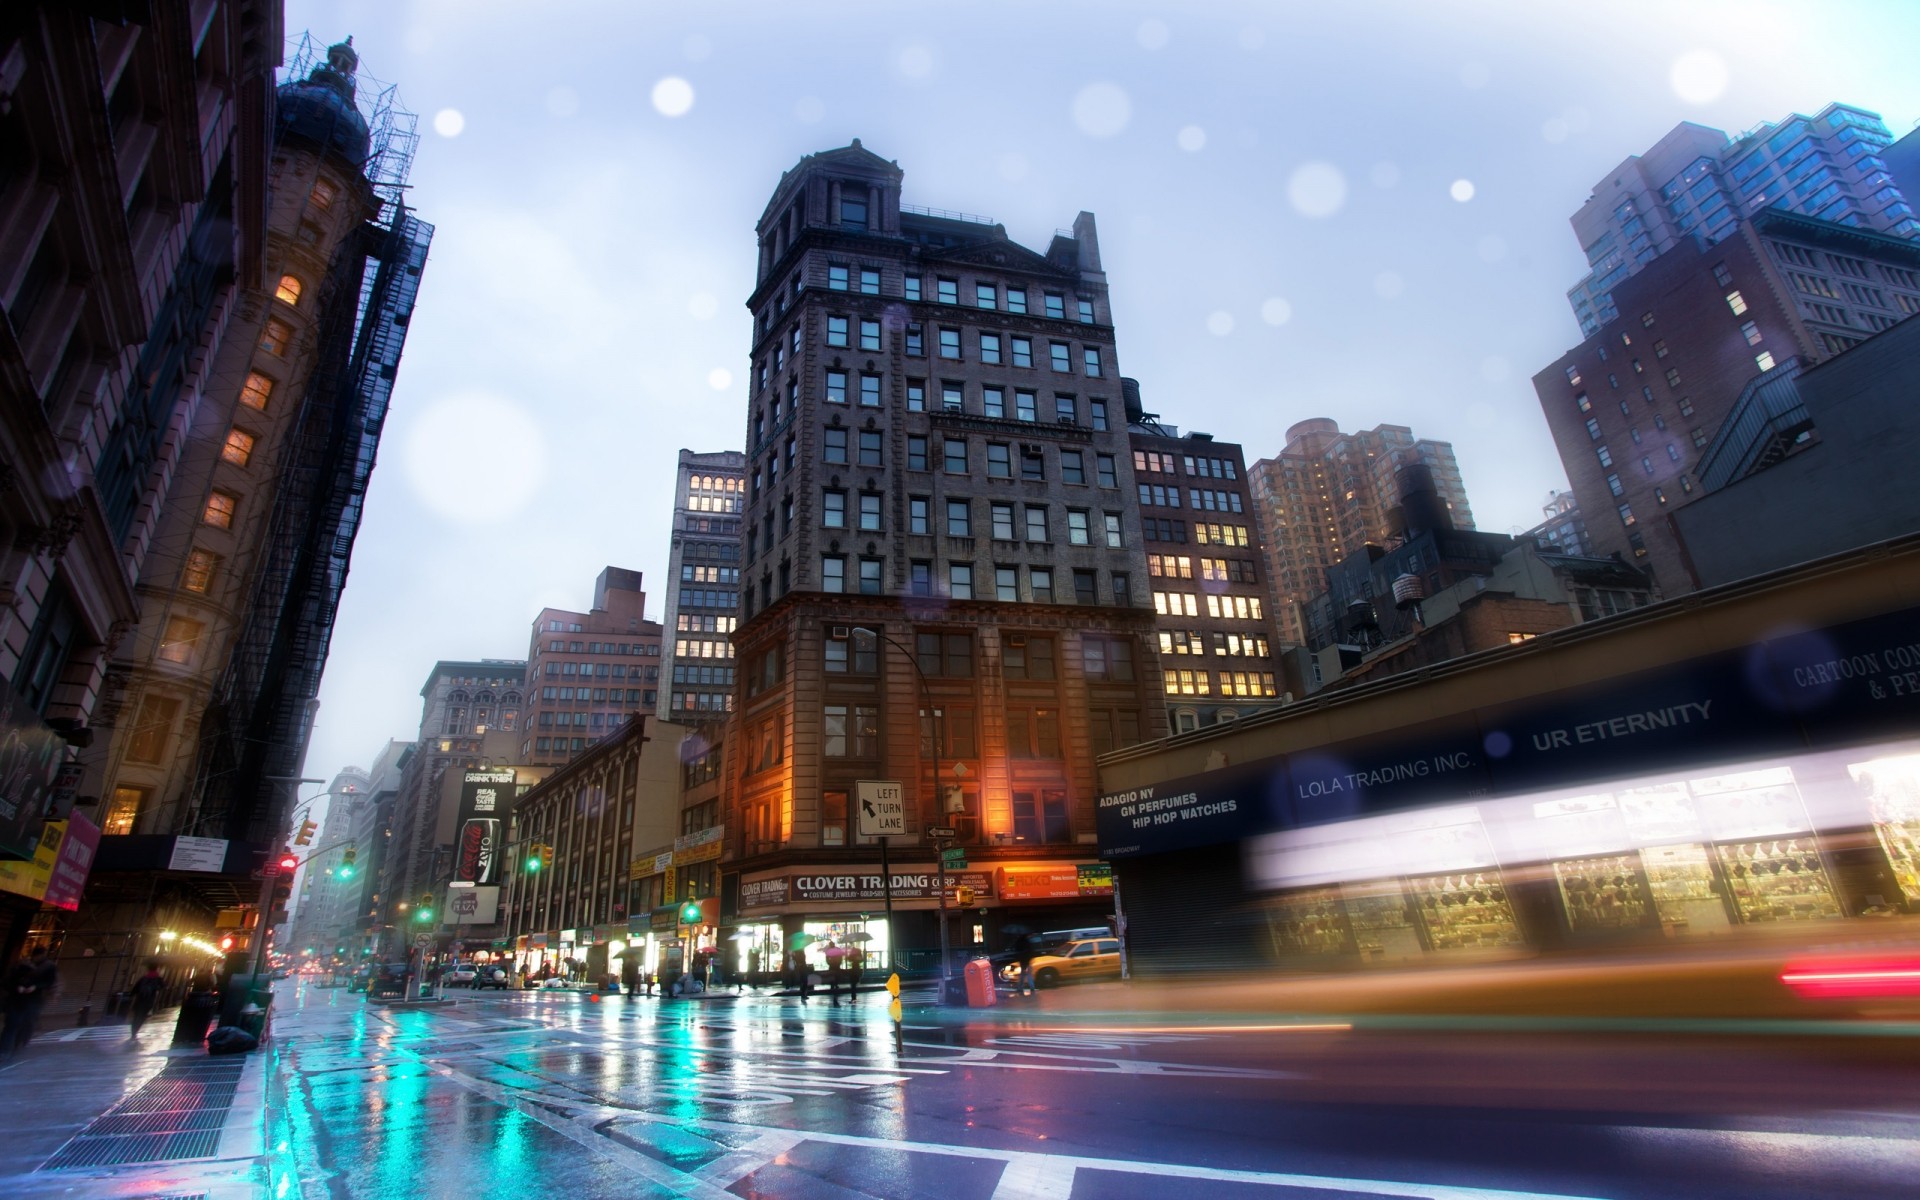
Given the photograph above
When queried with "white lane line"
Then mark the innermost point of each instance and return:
(1035, 1177)
(592, 1139)
(739, 1164)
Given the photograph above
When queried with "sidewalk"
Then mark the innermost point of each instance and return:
(67, 1079)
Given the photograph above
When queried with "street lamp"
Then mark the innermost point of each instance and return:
(937, 718)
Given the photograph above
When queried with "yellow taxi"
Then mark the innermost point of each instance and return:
(1087, 958)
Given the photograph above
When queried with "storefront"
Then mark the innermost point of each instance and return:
(1775, 782)
(801, 911)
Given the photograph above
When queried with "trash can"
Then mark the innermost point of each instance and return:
(955, 989)
(196, 1014)
(980, 992)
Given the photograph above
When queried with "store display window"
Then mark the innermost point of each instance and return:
(1604, 893)
(1467, 911)
(1313, 922)
(1684, 891)
(1893, 805)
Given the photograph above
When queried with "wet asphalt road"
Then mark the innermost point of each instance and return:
(554, 1094)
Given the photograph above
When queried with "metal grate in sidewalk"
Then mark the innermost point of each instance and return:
(175, 1115)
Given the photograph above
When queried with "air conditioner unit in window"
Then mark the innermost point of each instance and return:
(839, 633)
(1016, 640)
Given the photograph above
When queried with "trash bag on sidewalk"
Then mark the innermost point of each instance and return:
(231, 1039)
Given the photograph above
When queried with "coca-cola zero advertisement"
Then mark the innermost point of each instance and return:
(477, 847)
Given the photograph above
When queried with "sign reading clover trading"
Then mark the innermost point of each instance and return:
(883, 808)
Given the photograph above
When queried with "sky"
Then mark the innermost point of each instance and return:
(1354, 210)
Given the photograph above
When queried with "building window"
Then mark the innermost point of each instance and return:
(178, 641)
(916, 341)
(1060, 356)
(960, 581)
(959, 518)
(220, 510)
(869, 447)
(1022, 352)
(1098, 409)
(1016, 300)
(999, 461)
(837, 278)
(953, 397)
(289, 290)
(853, 212)
(920, 578)
(990, 349)
(993, 401)
(918, 515)
(870, 576)
(1092, 359)
(1073, 467)
(954, 455)
(916, 395)
(1604, 455)
(1002, 522)
(1686, 406)
(944, 655)
(1673, 452)
(1615, 486)
(1112, 524)
(1123, 589)
(1626, 513)
(1079, 532)
(1006, 584)
(869, 511)
(1036, 522)
(833, 510)
(1764, 360)
(197, 576)
(916, 452)
(870, 282)
(323, 194)
(238, 449)
(1040, 584)
(870, 391)
(834, 446)
(1699, 436)
(1086, 587)
(910, 287)
(276, 336)
(256, 391)
(949, 291)
(124, 810)
(1033, 463)
(151, 728)
(985, 295)
(1737, 303)
(870, 335)
(1721, 275)
(950, 343)
(1593, 428)
(1056, 306)
(1104, 471)
(1026, 406)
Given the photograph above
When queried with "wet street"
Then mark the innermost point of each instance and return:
(558, 1094)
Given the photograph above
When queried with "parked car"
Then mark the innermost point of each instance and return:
(458, 975)
(388, 979)
(493, 977)
(1088, 959)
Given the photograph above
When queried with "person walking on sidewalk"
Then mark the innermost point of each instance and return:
(28, 988)
(145, 997)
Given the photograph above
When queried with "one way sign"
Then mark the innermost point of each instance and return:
(883, 808)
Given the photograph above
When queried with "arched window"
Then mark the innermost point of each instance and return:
(289, 289)
(456, 698)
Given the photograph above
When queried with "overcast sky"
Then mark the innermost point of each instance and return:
(1354, 210)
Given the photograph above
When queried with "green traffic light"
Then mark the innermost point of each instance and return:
(346, 872)
(425, 914)
(533, 862)
(690, 913)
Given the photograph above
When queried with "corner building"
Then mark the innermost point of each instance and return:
(944, 580)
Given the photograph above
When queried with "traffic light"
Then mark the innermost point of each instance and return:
(690, 913)
(546, 858)
(289, 863)
(226, 943)
(305, 836)
(346, 863)
(963, 896)
(536, 858)
(424, 913)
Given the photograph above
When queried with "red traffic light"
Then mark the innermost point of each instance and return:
(226, 943)
(289, 862)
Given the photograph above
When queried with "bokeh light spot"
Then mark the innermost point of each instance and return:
(1698, 76)
(1461, 190)
(1220, 324)
(1152, 34)
(703, 306)
(457, 431)
(448, 122)
(1276, 311)
(719, 379)
(673, 97)
(1191, 139)
(1317, 189)
(1101, 109)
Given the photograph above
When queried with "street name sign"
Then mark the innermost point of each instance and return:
(883, 807)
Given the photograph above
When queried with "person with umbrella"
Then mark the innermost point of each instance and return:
(836, 956)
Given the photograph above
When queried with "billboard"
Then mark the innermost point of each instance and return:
(30, 758)
(473, 905)
(479, 845)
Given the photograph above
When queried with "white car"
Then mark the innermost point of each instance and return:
(555, 983)
(458, 976)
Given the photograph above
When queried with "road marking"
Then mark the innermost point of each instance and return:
(738, 1164)
(1035, 1177)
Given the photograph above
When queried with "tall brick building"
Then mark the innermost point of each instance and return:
(1632, 407)
(945, 583)
(587, 672)
(703, 586)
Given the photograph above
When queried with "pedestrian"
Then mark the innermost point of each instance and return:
(836, 955)
(28, 988)
(145, 998)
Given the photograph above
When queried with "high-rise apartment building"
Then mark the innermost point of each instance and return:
(327, 894)
(944, 579)
(587, 672)
(1562, 528)
(1218, 653)
(1696, 184)
(703, 586)
(1328, 494)
(1633, 407)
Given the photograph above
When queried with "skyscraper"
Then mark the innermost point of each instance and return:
(703, 586)
(1633, 408)
(1696, 183)
(1327, 494)
(944, 583)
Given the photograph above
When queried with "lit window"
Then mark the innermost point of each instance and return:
(1764, 360)
(1736, 302)
(323, 194)
(198, 575)
(239, 447)
(276, 336)
(221, 507)
(181, 636)
(256, 391)
(289, 290)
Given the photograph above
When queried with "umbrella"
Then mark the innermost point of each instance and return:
(741, 935)
(800, 941)
(859, 937)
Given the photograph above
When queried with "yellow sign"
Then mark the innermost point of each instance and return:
(893, 985)
(893, 1010)
(30, 878)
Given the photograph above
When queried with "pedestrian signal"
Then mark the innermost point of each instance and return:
(690, 913)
